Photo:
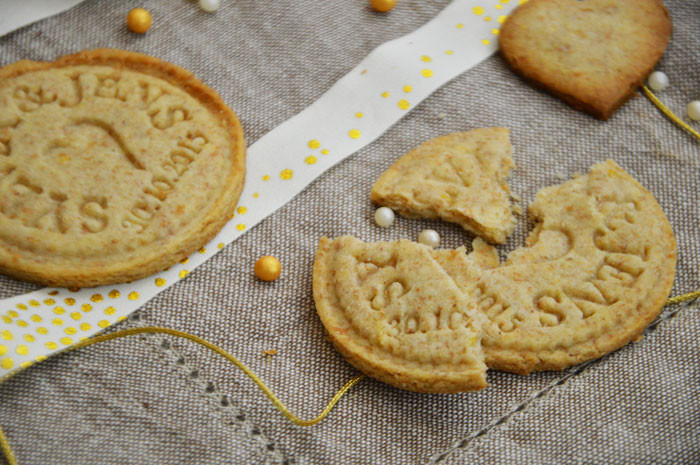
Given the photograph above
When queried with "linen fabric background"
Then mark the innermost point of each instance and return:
(155, 400)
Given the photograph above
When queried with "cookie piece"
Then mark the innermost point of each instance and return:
(113, 165)
(395, 315)
(460, 178)
(592, 54)
(596, 272)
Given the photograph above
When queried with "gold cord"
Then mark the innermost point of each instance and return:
(5, 446)
(664, 109)
(682, 298)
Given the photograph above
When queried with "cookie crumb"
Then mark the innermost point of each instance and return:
(517, 210)
(270, 352)
(441, 116)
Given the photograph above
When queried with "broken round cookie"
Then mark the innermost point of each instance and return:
(595, 271)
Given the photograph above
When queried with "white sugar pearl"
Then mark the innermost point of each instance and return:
(694, 110)
(384, 217)
(429, 237)
(658, 80)
(209, 6)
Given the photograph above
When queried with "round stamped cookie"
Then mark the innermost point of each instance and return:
(394, 314)
(597, 271)
(113, 165)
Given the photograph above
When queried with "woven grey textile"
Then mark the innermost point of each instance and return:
(158, 400)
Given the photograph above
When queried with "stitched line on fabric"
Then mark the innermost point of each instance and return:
(523, 406)
(208, 391)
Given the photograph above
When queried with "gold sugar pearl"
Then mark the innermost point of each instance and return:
(268, 268)
(382, 5)
(138, 20)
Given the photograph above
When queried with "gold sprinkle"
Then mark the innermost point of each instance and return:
(66, 341)
(71, 300)
(449, 52)
(85, 327)
(121, 318)
(29, 338)
(51, 345)
(184, 261)
(13, 314)
(7, 363)
(426, 58)
(385, 94)
(113, 294)
(21, 323)
(59, 310)
(310, 160)
(3, 350)
(220, 245)
(103, 323)
(478, 10)
(6, 319)
(6, 335)
(70, 330)
(460, 25)
(325, 152)
(359, 114)
(184, 273)
(501, 19)
(403, 104)
(133, 295)
(42, 330)
(22, 349)
(266, 177)
(57, 321)
(354, 133)
(498, 7)
(86, 308)
(49, 301)
(26, 364)
(286, 174)
(427, 72)
(96, 298)
(241, 210)
(486, 42)
(110, 311)
(407, 88)
(487, 18)
(240, 227)
(202, 250)
(76, 316)
(495, 31)
(314, 144)
(256, 195)
(40, 358)
(35, 318)
(34, 303)
(160, 282)
(21, 306)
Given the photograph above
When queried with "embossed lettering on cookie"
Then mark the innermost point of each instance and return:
(113, 165)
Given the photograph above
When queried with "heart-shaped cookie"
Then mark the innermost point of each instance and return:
(593, 54)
